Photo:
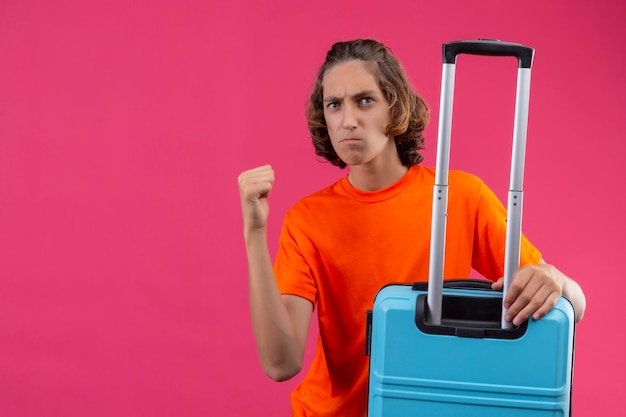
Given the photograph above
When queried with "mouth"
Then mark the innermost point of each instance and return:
(350, 140)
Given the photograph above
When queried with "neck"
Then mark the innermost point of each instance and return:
(368, 178)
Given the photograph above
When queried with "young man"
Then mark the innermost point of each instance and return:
(339, 246)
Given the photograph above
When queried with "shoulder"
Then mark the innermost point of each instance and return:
(311, 204)
(466, 183)
(455, 177)
(468, 190)
(465, 179)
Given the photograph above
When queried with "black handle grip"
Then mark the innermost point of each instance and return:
(489, 47)
(466, 284)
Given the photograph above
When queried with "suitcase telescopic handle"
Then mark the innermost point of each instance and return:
(491, 47)
(440, 191)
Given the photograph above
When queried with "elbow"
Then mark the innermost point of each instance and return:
(574, 293)
(280, 361)
(282, 372)
(579, 310)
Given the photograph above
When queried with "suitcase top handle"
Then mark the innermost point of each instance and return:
(491, 47)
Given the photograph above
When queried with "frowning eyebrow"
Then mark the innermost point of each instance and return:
(357, 96)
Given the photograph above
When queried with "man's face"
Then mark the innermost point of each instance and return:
(357, 114)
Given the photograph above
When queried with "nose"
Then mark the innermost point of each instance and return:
(349, 117)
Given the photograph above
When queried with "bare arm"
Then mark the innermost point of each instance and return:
(280, 322)
(536, 289)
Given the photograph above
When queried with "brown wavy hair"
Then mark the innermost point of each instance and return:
(409, 113)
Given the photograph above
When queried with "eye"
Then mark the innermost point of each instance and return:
(366, 100)
(332, 106)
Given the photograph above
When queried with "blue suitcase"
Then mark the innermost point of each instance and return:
(445, 350)
(467, 366)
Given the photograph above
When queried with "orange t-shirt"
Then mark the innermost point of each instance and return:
(339, 246)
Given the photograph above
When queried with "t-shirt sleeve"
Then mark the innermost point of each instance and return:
(490, 238)
(291, 267)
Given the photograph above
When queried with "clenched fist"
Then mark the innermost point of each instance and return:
(255, 186)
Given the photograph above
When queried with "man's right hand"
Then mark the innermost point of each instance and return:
(255, 186)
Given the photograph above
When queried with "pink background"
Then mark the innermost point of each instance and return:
(124, 124)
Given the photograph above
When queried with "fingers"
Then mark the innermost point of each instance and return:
(255, 186)
(534, 291)
(256, 183)
(498, 285)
